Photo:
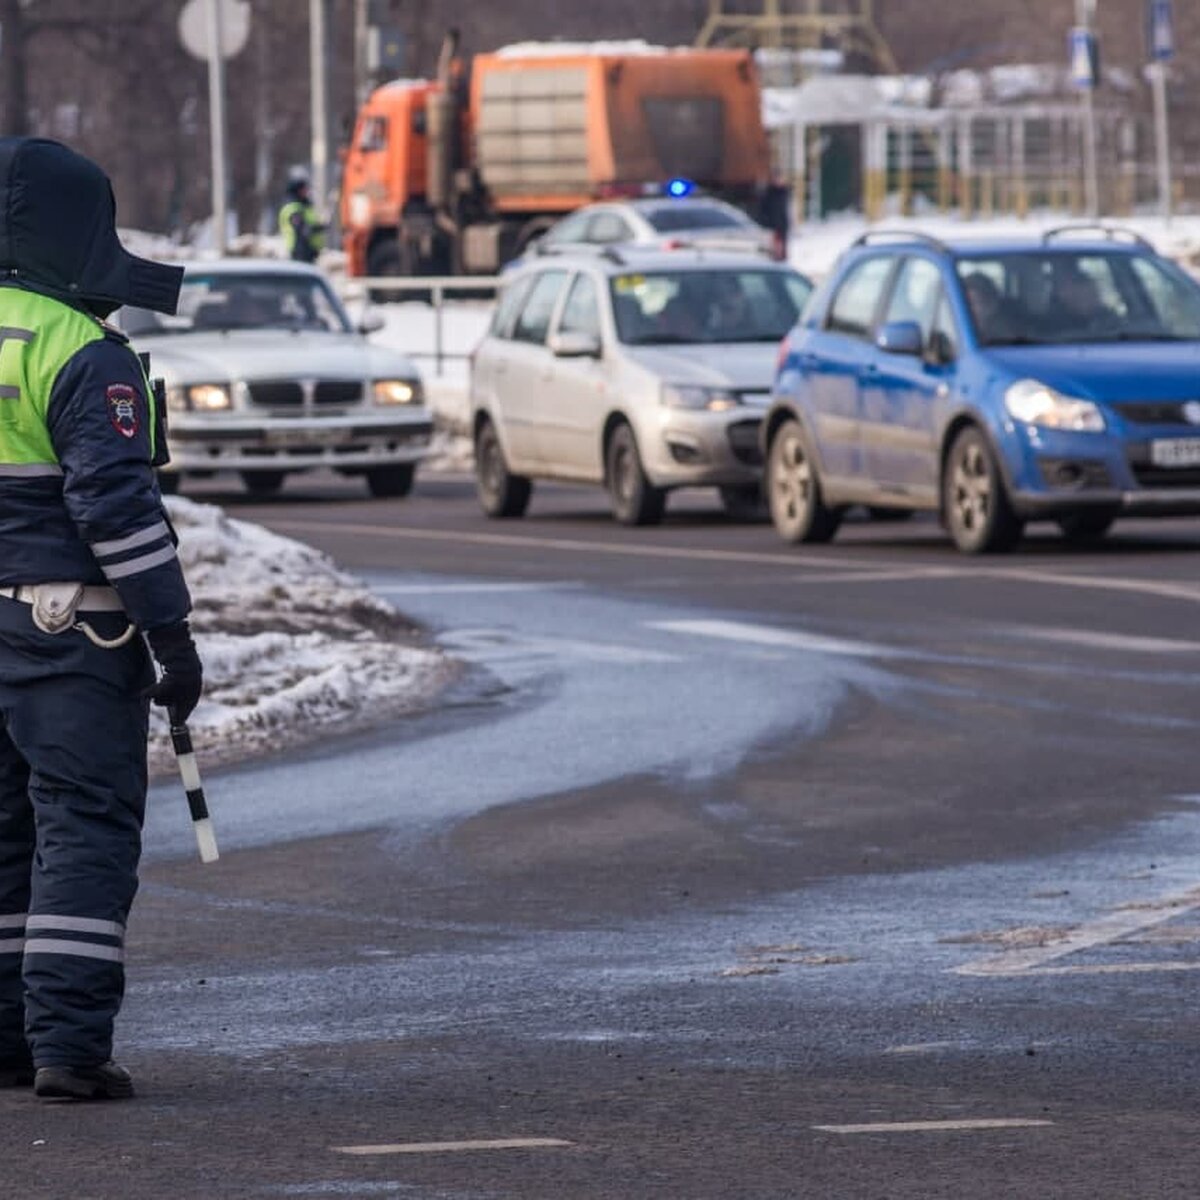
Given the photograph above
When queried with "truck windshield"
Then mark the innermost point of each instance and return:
(662, 308)
(227, 302)
(1078, 297)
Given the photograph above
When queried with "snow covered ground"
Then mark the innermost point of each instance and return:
(292, 647)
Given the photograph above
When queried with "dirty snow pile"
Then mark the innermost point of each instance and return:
(292, 646)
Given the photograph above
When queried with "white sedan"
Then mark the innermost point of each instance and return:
(266, 375)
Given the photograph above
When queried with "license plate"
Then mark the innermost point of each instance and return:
(299, 438)
(1175, 452)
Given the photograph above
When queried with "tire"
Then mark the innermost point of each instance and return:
(975, 504)
(168, 482)
(1081, 528)
(798, 511)
(501, 494)
(384, 258)
(263, 483)
(744, 502)
(385, 482)
(635, 500)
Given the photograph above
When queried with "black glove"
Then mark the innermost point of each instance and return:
(182, 675)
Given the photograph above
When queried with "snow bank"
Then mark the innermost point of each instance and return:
(292, 646)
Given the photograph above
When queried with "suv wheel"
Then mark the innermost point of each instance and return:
(794, 491)
(635, 500)
(501, 493)
(974, 501)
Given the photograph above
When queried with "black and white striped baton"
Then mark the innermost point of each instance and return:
(189, 772)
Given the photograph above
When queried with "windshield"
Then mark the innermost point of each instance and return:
(226, 301)
(1078, 297)
(673, 307)
(672, 218)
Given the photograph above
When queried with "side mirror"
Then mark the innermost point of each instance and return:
(371, 322)
(901, 337)
(575, 345)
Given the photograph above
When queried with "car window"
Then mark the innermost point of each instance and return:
(706, 306)
(581, 312)
(608, 227)
(915, 296)
(373, 135)
(1078, 297)
(511, 298)
(944, 336)
(533, 323)
(671, 218)
(569, 229)
(857, 299)
(228, 301)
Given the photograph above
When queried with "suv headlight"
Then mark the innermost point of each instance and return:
(200, 397)
(1035, 403)
(699, 399)
(396, 391)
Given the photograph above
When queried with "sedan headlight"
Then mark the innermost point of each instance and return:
(396, 391)
(201, 397)
(699, 399)
(1035, 403)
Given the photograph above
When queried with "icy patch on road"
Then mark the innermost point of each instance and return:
(292, 646)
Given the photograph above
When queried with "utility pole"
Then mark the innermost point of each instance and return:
(1084, 45)
(319, 66)
(216, 100)
(1162, 50)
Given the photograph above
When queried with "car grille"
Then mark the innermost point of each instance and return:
(743, 441)
(289, 393)
(1154, 412)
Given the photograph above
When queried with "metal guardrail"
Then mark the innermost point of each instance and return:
(437, 288)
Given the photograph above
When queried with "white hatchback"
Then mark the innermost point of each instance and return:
(640, 372)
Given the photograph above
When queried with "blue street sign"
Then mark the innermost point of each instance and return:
(1083, 53)
(1161, 24)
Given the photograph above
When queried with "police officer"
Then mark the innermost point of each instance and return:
(300, 223)
(88, 577)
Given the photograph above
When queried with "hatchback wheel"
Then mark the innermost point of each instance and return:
(794, 491)
(974, 501)
(501, 494)
(635, 500)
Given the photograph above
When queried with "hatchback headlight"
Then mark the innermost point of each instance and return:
(396, 391)
(699, 399)
(206, 397)
(1035, 403)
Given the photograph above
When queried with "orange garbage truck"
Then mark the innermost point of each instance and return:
(459, 174)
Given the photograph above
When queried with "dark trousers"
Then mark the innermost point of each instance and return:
(73, 732)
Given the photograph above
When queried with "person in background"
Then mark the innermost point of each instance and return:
(774, 213)
(299, 222)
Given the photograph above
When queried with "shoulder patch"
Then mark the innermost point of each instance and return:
(123, 409)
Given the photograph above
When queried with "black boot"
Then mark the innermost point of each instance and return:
(104, 1082)
(16, 1072)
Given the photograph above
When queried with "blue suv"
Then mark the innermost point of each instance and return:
(996, 383)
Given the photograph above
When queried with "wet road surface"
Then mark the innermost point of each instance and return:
(728, 870)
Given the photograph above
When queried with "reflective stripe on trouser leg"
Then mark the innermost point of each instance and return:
(16, 862)
(84, 737)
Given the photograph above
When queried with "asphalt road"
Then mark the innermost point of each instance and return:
(727, 870)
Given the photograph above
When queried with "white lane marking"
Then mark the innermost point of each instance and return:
(454, 1147)
(1096, 640)
(1108, 928)
(469, 589)
(770, 635)
(964, 1126)
(1147, 587)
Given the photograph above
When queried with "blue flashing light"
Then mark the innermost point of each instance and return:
(680, 188)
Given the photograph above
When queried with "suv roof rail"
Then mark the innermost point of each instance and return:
(901, 235)
(1112, 233)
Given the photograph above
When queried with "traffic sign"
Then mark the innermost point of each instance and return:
(234, 26)
(1161, 26)
(1083, 53)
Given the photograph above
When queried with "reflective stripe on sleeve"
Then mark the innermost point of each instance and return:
(135, 566)
(12, 945)
(112, 929)
(131, 541)
(29, 470)
(13, 920)
(74, 949)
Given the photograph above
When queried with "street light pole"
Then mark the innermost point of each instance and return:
(1085, 12)
(318, 45)
(216, 122)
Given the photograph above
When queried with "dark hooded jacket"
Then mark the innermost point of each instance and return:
(79, 500)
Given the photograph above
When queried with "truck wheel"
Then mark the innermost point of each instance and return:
(798, 511)
(501, 494)
(975, 505)
(384, 259)
(635, 500)
(383, 482)
(263, 483)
